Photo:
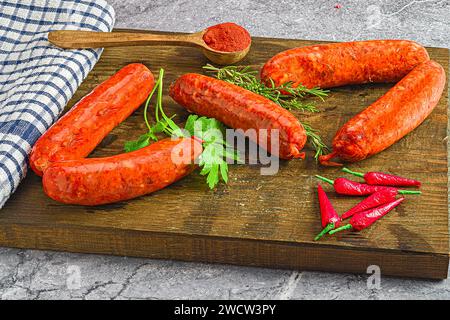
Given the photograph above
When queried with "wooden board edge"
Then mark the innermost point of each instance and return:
(227, 251)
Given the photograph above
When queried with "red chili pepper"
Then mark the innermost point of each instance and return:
(384, 179)
(374, 200)
(366, 218)
(330, 218)
(353, 188)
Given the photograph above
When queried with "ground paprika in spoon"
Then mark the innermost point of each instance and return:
(227, 37)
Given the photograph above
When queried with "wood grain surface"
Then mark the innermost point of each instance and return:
(253, 220)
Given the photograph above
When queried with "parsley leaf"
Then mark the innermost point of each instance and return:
(133, 145)
(216, 151)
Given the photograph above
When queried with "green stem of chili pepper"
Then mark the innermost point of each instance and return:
(344, 227)
(358, 174)
(324, 231)
(409, 192)
(325, 179)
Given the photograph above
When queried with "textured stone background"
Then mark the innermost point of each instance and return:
(27, 274)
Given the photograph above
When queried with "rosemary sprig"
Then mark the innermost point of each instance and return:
(284, 95)
(316, 141)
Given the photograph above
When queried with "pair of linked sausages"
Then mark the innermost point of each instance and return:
(69, 177)
(404, 107)
(60, 154)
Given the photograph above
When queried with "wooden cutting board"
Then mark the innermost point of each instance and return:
(255, 220)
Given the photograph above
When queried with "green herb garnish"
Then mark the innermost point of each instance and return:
(315, 140)
(165, 124)
(284, 95)
(215, 150)
(213, 160)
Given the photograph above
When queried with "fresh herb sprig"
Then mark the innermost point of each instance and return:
(163, 123)
(284, 95)
(316, 141)
(212, 161)
(216, 151)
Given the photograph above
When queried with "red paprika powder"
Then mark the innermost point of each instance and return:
(228, 37)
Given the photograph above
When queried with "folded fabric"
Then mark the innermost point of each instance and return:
(37, 79)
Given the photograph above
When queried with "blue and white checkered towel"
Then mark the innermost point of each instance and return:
(37, 79)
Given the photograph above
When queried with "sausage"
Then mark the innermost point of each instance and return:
(241, 109)
(95, 181)
(81, 129)
(398, 112)
(338, 64)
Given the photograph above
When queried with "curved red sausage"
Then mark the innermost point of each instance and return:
(241, 109)
(387, 120)
(95, 181)
(82, 128)
(337, 64)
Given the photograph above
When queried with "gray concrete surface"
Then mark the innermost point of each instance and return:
(27, 274)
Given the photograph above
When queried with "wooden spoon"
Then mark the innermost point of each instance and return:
(73, 39)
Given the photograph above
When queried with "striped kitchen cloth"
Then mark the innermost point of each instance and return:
(37, 79)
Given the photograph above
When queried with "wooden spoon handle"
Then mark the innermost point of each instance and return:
(73, 39)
